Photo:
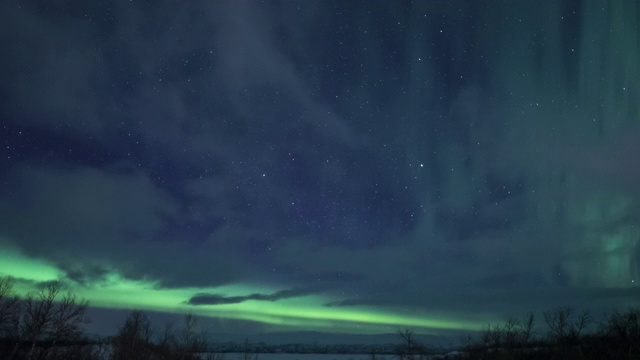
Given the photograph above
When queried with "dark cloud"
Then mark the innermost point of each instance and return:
(215, 299)
(75, 207)
(85, 274)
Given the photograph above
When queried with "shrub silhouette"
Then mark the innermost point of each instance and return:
(617, 337)
(563, 328)
(47, 325)
(410, 349)
(9, 307)
(134, 340)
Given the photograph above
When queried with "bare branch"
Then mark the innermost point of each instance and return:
(527, 325)
(9, 305)
(558, 321)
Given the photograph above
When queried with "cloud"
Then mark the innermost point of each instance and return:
(87, 219)
(85, 274)
(215, 299)
(83, 208)
(250, 58)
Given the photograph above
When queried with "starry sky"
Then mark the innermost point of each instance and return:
(350, 166)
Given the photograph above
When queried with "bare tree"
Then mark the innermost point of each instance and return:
(167, 342)
(511, 333)
(190, 339)
(247, 352)
(9, 315)
(41, 318)
(404, 352)
(409, 349)
(526, 329)
(584, 320)
(623, 332)
(38, 314)
(558, 321)
(9, 305)
(562, 326)
(492, 337)
(133, 340)
(67, 320)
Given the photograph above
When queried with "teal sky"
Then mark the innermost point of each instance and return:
(354, 167)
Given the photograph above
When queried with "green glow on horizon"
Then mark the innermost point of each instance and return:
(306, 312)
(19, 266)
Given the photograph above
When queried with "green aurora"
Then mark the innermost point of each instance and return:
(309, 312)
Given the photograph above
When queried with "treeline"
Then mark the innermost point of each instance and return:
(569, 335)
(136, 340)
(566, 335)
(48, 325)
(41, 326)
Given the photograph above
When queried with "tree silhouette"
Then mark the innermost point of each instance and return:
(9, 306)
(133, 339)
(39, 322)
(563, 328)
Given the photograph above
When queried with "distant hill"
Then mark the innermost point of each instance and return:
(324, 338)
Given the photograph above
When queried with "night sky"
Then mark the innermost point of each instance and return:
(350, 166)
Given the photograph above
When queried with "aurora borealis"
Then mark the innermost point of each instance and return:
(344, 166)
